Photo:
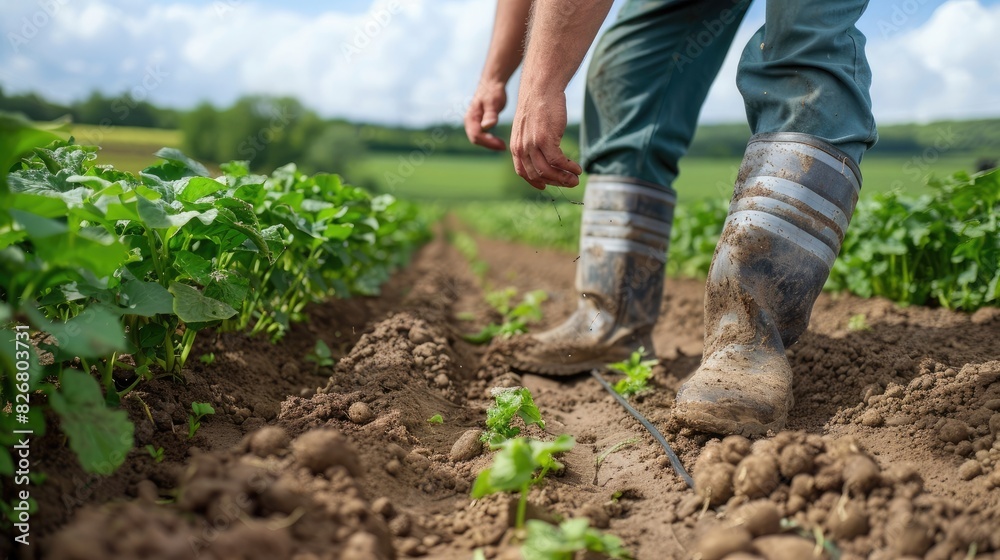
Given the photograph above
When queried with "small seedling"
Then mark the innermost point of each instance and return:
(510, 403)
(613, 449)
(321, 355)
(198, 411)
(436, 419)
(514, 468)
(515, 318)
(207, 359)
(544, 541)
(858, 323)
(637, 373)
(156, 453)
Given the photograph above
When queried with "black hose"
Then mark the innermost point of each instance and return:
(674, 459)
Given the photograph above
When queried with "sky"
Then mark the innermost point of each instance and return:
(416, 62)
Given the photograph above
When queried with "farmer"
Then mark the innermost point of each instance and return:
(805, 84)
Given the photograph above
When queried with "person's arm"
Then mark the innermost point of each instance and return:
(505, 54)
(560, 33)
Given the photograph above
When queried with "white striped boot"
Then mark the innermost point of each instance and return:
(619, 278)
(793, 200)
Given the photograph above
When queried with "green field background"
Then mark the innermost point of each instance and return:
(451, 179)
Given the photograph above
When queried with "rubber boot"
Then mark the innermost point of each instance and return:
(792, 203)
(619, 278)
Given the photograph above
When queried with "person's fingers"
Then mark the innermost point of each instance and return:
(491, 117)
(555, 157)
(524, 168)
(551, 175)
(475, 132)
(473, 118)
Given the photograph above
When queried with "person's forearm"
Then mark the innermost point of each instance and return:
(507, 44)
(561, 32)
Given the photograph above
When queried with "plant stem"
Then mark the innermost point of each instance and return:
(522, 506)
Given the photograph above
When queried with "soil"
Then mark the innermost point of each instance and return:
(892, 448)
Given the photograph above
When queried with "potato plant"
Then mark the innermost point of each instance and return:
(109, 265)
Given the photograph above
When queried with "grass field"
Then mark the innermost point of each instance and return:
(450, 179)
(456, 178)
(127, 148)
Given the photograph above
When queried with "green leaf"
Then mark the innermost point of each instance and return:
(193, 307)
(95, 333)
(145, 299)
(178, 157)
(101, 437)
(198, 187)
(18, 136)
(436, 419)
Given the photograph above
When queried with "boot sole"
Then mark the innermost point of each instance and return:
(557, 370)
(702, 421)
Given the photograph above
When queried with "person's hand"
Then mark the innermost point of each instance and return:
(539, 125)
(483, 113)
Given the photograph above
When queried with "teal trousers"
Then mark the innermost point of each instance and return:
(803, 71)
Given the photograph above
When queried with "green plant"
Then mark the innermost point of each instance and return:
(514, 318)
(156, 453)
(510, 403)
(544, 541)
(637, 373)
(207, 359)
(321, 355)
(858, 322)
(198, 411)
(941, 248)
(436, 419)
(520, 463)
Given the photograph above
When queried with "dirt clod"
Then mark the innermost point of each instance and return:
(467, 446)
(756, 476)
(759, 517)
(786, 547)
(360, 413)
(714, 483)
(953, 431)
(970, 469)
(321, 449)
(269, 440)
(719, 542)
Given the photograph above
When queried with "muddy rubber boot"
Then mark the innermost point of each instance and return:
(619, 278)
(793, 200)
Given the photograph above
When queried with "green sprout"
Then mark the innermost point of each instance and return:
(436, 419)
(198, 411)
(156, 453)
(515, 466)
(207, 359)
(545, 541)
(515, 318)
(637, 373)
(508, 404)
(321, 355)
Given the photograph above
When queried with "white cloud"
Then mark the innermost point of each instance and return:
(946, 68)
(417, 64)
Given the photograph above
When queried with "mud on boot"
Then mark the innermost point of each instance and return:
(792, 203)
(619, 278)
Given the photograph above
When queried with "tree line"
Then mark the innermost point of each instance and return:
(271, 131)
